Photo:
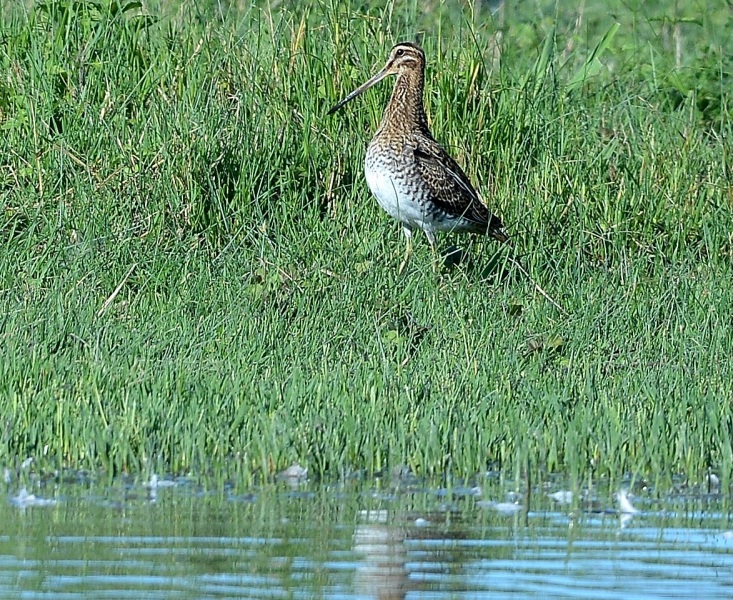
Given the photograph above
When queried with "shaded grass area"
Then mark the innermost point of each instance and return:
(194, 276)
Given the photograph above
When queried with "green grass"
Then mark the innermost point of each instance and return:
(194, 276)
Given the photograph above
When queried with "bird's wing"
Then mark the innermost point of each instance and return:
(450, 187)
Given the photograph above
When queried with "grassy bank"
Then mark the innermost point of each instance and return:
(195, 277)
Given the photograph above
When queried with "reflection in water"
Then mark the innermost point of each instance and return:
(173, 539)
(382, 574)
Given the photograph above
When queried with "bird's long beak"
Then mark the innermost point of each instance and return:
(362, 88)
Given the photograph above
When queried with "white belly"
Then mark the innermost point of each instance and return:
(395, 200)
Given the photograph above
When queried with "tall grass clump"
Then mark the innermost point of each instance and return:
(194, 277)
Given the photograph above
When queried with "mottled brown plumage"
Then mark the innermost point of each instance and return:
(412, 177)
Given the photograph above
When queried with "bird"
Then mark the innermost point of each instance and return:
(410, 174)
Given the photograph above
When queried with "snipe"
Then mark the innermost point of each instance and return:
(410, 174)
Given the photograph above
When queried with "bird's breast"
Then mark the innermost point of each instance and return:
(396, 185)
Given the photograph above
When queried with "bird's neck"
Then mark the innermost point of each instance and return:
(405, 108)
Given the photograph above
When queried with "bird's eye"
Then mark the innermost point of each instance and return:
(400, 52)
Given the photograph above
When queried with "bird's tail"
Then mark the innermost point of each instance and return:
(496, 229)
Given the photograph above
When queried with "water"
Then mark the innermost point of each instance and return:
(177, 540)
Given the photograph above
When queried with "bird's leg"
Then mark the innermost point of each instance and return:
(408, 248)
(434, 247)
